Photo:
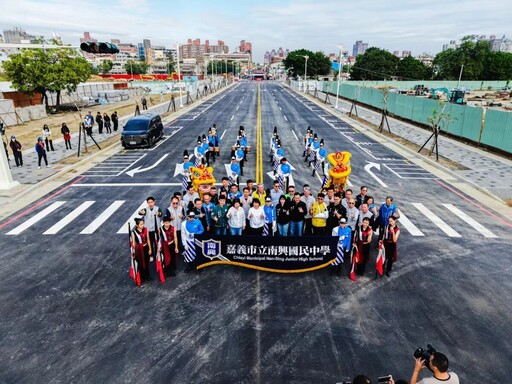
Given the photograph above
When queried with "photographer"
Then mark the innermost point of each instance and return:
(438, 364)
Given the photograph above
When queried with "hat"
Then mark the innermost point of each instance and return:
(343, 220)
(268, 199)
(39, 138)
(233, 158)
(191, 214)
(13, 137)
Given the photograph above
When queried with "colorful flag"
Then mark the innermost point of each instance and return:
(355, 260)
(381, 257)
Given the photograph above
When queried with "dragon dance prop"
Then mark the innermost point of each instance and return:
(339, 170)
(202, 179)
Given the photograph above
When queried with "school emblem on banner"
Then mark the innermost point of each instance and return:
(211, 248)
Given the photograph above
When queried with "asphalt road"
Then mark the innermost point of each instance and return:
(71, 314)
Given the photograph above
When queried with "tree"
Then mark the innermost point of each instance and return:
(47, 70)
(105, 67)
(136, 67)
(374, 64)
(318, 63)
(410, 68)
(480, 63)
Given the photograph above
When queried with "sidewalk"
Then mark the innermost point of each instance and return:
(482, 169)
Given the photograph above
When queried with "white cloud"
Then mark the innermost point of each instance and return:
(317, 25)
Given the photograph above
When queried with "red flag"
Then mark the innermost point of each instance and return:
(355, 260)
(380, 259)
(133, 264)
(132, 271)
(159, 269)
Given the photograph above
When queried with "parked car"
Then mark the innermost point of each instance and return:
(142, 131)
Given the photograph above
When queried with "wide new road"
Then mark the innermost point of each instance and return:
(71, 314)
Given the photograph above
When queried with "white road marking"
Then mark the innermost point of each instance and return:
(68, 218)
(222, 136)
(436, 220)
(94, 225)
(129, 185)
(407, 224)
(295, 135)
(392, 171)
(232, 117)
(280, 108)
(34, 219)
(285, 117)
(124, 228)
(468, 219)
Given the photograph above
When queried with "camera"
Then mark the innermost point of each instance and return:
(424, 354)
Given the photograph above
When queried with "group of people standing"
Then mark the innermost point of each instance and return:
(110, 123)
(257, 211)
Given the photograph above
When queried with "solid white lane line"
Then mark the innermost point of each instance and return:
(436, 220)
(94, 225)
(468, 219)
(407, 224)
(124, 228)
(34, 219)
(68, 218)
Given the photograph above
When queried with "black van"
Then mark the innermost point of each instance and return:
(141, 131)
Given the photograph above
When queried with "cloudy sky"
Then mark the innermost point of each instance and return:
(419, 26)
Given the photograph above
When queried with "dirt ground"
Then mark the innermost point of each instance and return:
(28, 133)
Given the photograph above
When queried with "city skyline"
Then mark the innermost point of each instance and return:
(298, 24)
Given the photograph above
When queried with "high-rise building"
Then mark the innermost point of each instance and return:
(87, 38)
(17, 36)
(406, 53)
(245, 47)
(359, 48)
(194, 48)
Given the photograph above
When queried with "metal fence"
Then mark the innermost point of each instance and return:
(490, 128)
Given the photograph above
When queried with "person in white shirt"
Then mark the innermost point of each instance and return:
(236, 219)
(256, 218)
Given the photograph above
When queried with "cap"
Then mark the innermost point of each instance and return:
(191, 214)
(13, 137)
(233, 158)
(343, 220)
(268, 199)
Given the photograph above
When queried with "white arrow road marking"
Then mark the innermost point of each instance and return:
(139, 170)
(369, 166)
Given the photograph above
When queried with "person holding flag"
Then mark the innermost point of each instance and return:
(283, 173)
(344, 234)
(189, 229)
(234, 171)
(363, 238)
(141, 250)
(168, 245)
(240, 155)
(390, 241)
(315, 147)
(320, 158)
(199, 152)
(185, 171)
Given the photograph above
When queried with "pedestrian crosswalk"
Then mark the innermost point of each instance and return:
(86, 218)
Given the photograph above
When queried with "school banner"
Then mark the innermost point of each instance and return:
(271, 254)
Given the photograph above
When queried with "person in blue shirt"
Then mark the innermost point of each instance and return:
(315, 146)
(206, 149)
(344, 234)
(239, 155)
(234, 171)
(189, 229)
(386, 210)
(270, 217)
(283, 173)
(199, 152)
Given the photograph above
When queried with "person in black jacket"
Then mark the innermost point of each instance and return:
(99, 121)
(115, 120)
(298, 211)
(283, 216)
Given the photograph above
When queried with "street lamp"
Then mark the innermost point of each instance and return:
(179, 73)
(339, 75)
(306, 57)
